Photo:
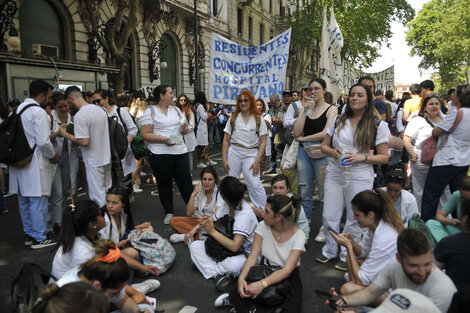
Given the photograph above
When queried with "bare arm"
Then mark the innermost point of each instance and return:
(437, 131)
(328, 150)
(407, 142)
(332, 112)
(364, 296)
(80, 141)
(225, 145)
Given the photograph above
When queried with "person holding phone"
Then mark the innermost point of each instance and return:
(375, 211)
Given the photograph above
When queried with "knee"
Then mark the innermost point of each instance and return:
(349, 288)
(133, 253)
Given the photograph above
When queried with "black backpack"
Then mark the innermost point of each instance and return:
(25, 287)
(117, 138)
(14, 147)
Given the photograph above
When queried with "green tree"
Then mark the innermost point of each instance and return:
(365, 24)
(440, 34)
(112, 27)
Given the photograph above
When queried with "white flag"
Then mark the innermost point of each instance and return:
(331, 68)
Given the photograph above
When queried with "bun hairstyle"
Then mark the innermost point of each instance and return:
(395, 174)
(75, 222)
(286, 206)
(381, 204)
(232, 191)
(158, 91)
(110, 274)
(77, 297)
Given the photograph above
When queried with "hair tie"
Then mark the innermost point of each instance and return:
(72, 207)
(112, 256)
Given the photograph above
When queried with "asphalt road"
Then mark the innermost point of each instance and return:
(182, 285)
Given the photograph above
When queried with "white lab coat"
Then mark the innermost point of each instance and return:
(202, 135)
(34, 179)
(190, 137)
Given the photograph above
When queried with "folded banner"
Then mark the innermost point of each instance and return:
(234, 68)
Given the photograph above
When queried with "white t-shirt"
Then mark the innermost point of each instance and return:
(278, 253)
(419, 130)
(82, 251)
(289, 117)
(204, 209)
(456, 151)
(439, 288)
(91, 122)
(245, 135)
(345, 141)
(245, 222)
(110, 231)
(72, 277)
(380, 248)
(163, 125)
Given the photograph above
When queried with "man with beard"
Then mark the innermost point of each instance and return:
(33, 181)
(413, 269)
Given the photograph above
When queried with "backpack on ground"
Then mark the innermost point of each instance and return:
(418, 223)
(14, 146)
(117, 138)
(288, 130)
(26, 285)
(234, 116)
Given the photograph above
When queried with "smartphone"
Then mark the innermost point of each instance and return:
(329, 297)
(332, 230)
(153, 302)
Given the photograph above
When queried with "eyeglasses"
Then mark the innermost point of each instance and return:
(432, 95)
(97, 101)
(243, 100)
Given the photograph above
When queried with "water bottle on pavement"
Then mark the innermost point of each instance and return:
(345, 169)
(309, 110)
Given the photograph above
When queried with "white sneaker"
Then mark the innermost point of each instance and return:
(147, 286)
(154, 193)
(321, 236)
(201, 165)
(222, 301)
(167, 219)
(136, 188)
(175, 238)
(212, 162)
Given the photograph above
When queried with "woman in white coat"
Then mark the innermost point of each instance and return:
(202, 136)
(184, 105)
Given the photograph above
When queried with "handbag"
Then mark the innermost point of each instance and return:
(429, 147)
(313, 151)
(274, 294)
(291, 157)
(213, 248)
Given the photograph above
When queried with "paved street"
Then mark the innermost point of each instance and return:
(182, 284)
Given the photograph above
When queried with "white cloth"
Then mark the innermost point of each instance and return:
(202, 135)
(163, 125)
(245, 135)
(82, 251)
(240, 160)
(126, 121)
(204, 209)
(99, 180)
(289, 119)
(110, 231)
(190, 137)
(35, 178)
(456, 151)
(408, 206)
(267, 118)
(418, 129)
(380, 248)
(58, 141)
(400, 126)
(439, 288)
(393, 107)
(91, 122)
(278, 253)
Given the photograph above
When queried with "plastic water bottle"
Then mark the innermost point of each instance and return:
(309, 110)
(345, 169)
(176, 135)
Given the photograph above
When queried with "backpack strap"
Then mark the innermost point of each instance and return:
(296, 110)
(24, 109)
(118, 110)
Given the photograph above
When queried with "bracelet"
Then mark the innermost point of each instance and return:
(264, 283)
(366, 156)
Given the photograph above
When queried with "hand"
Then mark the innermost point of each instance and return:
(197, 189)
(139, 297)
(168, 142)
(208, 225)
(259, 212)
(242, 286)
(254, 289)
(299, 138)
(189, 236)
(142, 226)
(55, 159)
(341, 239)
(152, 270)
(336, 153)
(184, 129)
(414, 157)
(339, 301)
(62, 129)
(354, 157)
(454, 222)
(255, 167)
(226, 167)
(122, 243)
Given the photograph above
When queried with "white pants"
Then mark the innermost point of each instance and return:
(335, 199)
(210, 267)
(240, 159)
(99, 180)
(419, 171)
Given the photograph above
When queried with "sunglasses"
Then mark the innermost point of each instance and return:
(97, 101)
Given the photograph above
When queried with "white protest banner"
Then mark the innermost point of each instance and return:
(384, 80)
(331, 67)
(235, 68)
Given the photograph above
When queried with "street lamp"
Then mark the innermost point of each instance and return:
(7, 12)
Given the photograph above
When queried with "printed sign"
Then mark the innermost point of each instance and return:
(384, 80)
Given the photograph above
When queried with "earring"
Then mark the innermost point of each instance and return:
(94, 227)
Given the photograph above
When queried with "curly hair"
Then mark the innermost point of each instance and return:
(251, 99)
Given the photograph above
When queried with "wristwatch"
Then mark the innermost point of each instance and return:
(264, 283)
(366, 156)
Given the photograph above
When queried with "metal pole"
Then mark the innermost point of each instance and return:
(196, 50)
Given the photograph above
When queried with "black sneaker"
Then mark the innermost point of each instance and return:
(56, 229)
(222, 282)
(43, 244)
(28, 240)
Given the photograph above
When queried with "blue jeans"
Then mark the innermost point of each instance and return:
(60, 186)
(436, 181)
(308, 169)
(33, 212)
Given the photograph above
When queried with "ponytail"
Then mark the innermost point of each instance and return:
(390, 214)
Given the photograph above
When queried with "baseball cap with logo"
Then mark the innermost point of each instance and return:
(287, 92)
(407, 301)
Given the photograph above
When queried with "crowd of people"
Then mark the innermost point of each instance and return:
(363, 162)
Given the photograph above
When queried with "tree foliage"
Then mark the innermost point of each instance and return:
(365, 25)
(440, 34)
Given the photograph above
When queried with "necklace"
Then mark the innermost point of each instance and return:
(278, 236)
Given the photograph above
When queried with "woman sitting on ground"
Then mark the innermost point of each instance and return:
(108, 272)
(232, 192)
(373, 210)
(204, 201)
(279, 243)
(81, 224)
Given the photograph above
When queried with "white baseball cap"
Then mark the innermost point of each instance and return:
(407, 301)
